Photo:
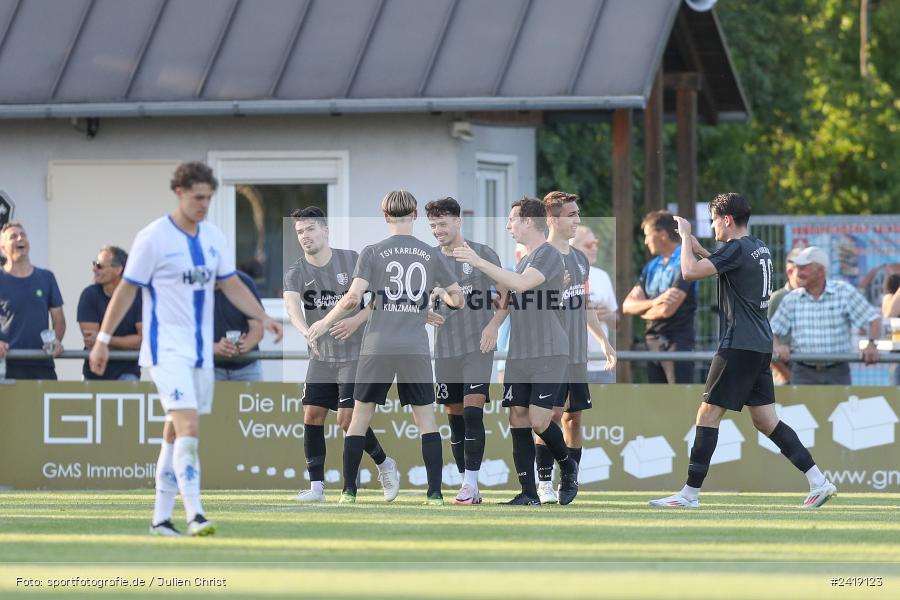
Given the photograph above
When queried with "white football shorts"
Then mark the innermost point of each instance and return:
(183, 387)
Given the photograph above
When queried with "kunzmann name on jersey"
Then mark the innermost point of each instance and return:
(404, 308)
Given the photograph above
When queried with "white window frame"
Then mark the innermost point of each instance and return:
(502, 168)
(331, 167)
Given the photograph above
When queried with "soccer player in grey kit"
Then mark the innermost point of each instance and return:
(464, 343)
(402, 272)
(312, 286)
(538, 347)
(574, 396)
(739, 374)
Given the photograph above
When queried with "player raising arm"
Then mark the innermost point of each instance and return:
(739, 374)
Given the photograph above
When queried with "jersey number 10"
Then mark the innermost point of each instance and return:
(766, 265)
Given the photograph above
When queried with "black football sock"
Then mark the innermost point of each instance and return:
(523, 457)
(373, 448)
(790, 445)
(434, 461)
(544, 462)
(575, 453)
(353, 451)
(553, 437)
(474, 444)
(701, 454)
(314, 447)
(457, 439)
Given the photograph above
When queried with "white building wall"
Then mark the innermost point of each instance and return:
(519, 141)
(386, 151)
(410, 151)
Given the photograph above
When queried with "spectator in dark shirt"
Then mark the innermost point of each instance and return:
(228, 318)
(27, 295)
(665, 301)
(781, 372)
(108, 269)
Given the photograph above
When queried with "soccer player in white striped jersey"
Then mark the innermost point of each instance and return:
(177, 260)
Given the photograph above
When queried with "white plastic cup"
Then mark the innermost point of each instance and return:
(48, 338)
(233, 336)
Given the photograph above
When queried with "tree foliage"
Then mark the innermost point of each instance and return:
(822, 140)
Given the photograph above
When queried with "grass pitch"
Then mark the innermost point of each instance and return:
(605, 545)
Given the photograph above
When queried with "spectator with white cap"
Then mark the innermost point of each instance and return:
(820, 316)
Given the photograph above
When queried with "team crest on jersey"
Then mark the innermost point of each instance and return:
(213, 252)
(343, 278)
(467, 268)
(583, 270)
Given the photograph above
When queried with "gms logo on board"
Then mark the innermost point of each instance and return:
(77, 418)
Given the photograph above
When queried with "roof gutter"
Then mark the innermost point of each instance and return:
(331, 106)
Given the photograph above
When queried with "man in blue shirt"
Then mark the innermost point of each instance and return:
(108, 269)
(27, 295)
(665, 301)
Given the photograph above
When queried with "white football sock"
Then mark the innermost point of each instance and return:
(317, 486)
(187, 471)
(166, 485)
(690, 493)
(471, 478)
(815, 477)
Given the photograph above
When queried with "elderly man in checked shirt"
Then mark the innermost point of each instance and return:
(820, 316)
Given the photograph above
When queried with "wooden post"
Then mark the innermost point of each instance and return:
(623, 203)
(654, 172)
(686, 116)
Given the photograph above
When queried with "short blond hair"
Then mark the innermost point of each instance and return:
(10, 225)
(398, 203)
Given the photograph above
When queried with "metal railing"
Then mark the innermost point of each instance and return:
(627, 356)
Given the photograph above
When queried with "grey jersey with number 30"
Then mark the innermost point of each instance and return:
(401, 271)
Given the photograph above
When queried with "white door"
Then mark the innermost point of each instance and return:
(257, 192)
(494, 180)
